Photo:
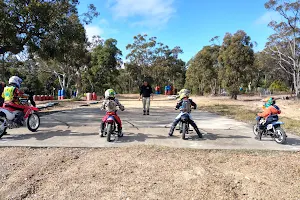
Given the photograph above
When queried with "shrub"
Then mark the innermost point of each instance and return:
(278, 86)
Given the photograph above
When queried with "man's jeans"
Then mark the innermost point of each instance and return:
(146, 103)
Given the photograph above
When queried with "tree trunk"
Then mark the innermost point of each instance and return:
(213, 88)
(200, 90)
(3, 68)
(79, 84)
(296, 84)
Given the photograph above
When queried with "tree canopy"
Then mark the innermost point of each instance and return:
(45, 43)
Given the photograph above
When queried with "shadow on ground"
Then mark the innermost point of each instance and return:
(47, 135)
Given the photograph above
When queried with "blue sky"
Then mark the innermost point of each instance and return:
(188, 24)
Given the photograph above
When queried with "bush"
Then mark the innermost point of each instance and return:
(278, 86)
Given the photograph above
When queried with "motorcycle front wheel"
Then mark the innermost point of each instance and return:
(3, 129)
(280, 136)
(255, 130)
(33, 122)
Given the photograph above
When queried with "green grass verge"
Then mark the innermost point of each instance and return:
(243, 114)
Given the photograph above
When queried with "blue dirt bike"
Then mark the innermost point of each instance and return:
(184, 125)
(273, 130)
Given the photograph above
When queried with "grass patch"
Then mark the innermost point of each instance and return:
(233, 111)
(291, 125)
(241, 113)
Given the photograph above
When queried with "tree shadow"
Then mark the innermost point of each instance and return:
(249, 100)
(214, 136)
(46, 135)
(290, 140)
(139, 137)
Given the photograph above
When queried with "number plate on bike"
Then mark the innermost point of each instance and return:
(270, 126)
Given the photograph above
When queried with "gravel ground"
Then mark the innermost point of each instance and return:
(147, 173)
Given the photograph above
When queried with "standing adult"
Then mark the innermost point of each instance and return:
(30, 94)
(146, 92)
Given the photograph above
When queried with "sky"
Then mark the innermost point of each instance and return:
(188, 24)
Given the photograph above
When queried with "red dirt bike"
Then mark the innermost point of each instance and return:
(110, 130)
(10, 117)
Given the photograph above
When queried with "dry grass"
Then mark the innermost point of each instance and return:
(233, 111)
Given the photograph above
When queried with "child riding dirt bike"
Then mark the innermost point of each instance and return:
(11, 95)
(183, 91)
(185, 105)
(110, 105)
(270, 113)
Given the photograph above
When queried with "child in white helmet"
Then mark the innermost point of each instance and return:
(110, 105)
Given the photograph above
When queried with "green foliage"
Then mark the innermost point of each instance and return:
(202, 71)
(54, 35)
(236, 58)
(278, 86)
(105, 65)
(28, 22)
(154, 61)
(63, 52)
(58, 55)
(284, 44)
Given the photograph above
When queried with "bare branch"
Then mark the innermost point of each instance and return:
(281, 66)
(282, 54)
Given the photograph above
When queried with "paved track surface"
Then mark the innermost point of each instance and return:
(79, 128)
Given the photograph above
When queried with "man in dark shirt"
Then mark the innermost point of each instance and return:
(30, 96)
(146, 92)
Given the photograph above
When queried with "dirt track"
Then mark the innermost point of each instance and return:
(147, 173)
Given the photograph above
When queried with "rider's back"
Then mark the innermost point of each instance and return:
(9, 93)
(186, 106)
(270, 111)
(110, 105)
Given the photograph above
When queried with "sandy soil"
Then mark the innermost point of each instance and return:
(147, 173)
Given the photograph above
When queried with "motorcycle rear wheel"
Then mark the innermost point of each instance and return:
(185, 129)
(109, 132)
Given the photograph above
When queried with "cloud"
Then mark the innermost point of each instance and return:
(92, 30)
(101, 28)
(152, 13)
(268, 17)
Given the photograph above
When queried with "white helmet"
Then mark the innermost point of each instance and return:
(109, 93)
(15, 80)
